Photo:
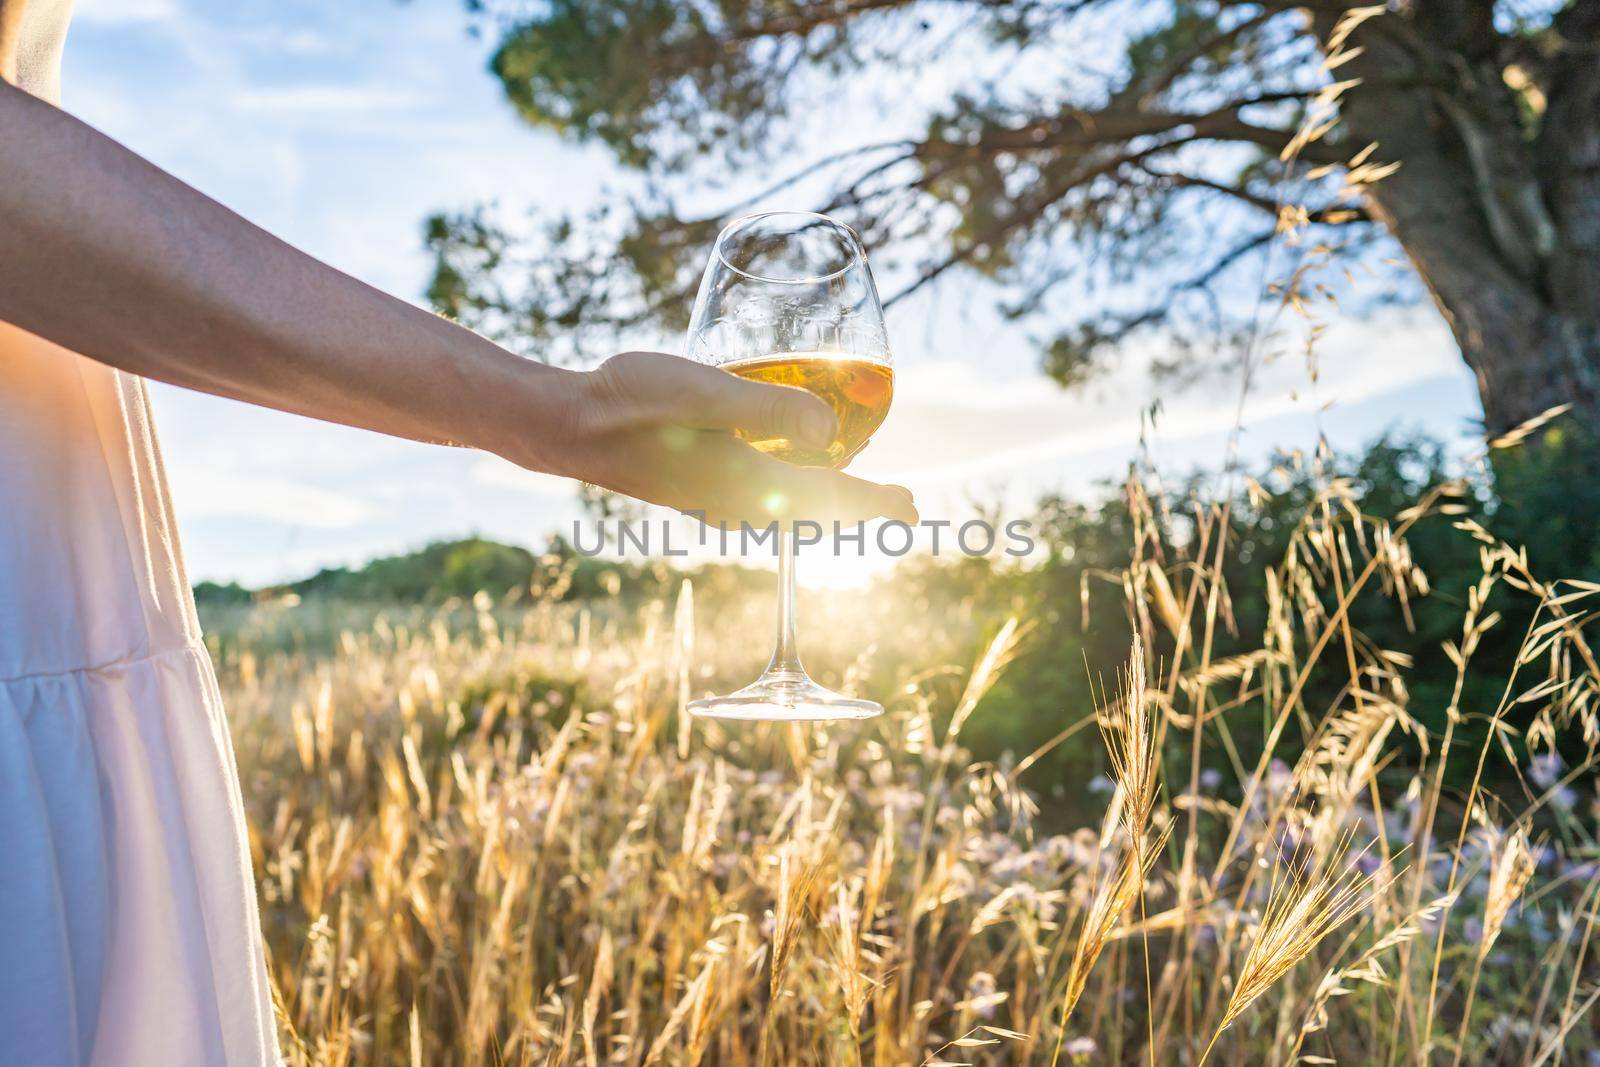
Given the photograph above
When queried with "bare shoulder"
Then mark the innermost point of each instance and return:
(10, 37)
(32, 33)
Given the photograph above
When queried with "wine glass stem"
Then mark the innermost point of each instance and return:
(786, 657)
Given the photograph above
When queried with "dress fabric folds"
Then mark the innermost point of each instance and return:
(126, 908)
(129, 930)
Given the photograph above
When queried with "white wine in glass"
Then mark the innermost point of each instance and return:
(787, 298)
(857, 390)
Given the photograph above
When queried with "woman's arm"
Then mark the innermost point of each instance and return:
(105, 254)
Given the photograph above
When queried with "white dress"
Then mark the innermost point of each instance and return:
(129, 931)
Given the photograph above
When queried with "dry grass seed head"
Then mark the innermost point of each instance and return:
(1302, 909)
(1512, 868)
(1129, 730)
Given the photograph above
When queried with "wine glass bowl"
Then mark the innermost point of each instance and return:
(788, 299)
(788, 248)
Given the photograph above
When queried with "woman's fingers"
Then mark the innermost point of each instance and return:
(726, 401)
(738, 484)
(673, 390)
(824, 496)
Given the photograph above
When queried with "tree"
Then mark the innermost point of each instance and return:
(1171, 140)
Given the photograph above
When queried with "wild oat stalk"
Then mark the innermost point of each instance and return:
(1510, 870)
(1509, 874)
(1367, 967)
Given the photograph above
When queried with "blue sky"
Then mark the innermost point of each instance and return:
(340, 126)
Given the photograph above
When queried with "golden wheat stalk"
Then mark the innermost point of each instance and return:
(1300, 912)
(1130, 737)
(1112, 900)
(794, 892)
(681, 1013)
(599, 986)
(1001, 651)
(1135, 763)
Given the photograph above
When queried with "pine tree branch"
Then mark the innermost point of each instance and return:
(1179, 65)
(1324, 216)
(1092, 129)
(1021, 219)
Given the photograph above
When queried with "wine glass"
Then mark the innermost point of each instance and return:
(788, 298)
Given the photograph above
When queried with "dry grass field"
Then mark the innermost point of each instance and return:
(486, 833)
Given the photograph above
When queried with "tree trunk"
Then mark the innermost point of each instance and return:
(1503, 227)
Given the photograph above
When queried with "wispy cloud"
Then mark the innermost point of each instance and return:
(323, 99)
(121, 12)
(216, 493)
(499, 474)
(953, 423)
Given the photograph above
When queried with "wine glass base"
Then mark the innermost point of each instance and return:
(785, 698)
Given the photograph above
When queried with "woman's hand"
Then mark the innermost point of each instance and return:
(661, 428)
